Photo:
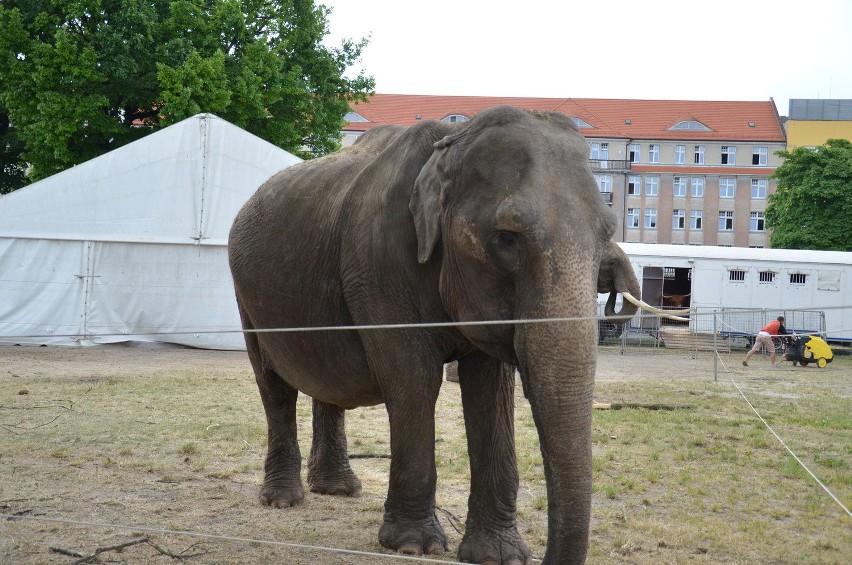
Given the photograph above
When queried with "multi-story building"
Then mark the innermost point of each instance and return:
(812, 122)
(674, 171)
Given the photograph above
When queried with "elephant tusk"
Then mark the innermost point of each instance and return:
(670, 314)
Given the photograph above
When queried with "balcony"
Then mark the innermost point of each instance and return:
(611, 165)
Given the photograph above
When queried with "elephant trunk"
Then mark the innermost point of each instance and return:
(557, 364)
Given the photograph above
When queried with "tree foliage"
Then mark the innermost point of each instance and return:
(812, 208)
(92, 75)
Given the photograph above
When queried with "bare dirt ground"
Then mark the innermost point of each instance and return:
(142, 496)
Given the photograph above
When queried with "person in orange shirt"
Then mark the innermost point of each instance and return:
(764, 339)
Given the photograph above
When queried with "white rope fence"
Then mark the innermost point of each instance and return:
(394, 326)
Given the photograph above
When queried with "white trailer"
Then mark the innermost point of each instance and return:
(772, 281)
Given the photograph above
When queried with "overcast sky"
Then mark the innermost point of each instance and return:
(667, 49)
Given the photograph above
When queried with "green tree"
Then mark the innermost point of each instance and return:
(11, 167)
(812, 207)
(92, 75)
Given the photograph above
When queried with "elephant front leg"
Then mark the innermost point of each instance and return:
(491, 534)
(282, 483)
(328, 465)
(410, 525)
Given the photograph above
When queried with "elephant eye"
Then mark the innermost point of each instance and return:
(505, 249)
(506, 239)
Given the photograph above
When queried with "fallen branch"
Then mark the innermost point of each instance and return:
(455, 521)
(98, 551)
(620, 405)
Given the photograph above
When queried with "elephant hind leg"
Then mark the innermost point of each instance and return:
(329, 471)
(282, 482)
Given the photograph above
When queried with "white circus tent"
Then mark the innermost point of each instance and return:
(132, 245)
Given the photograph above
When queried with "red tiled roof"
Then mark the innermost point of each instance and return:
(648, 119)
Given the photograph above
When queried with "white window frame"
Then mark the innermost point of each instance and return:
(650, 218)
(726, 220)
(695, 219)
(727, 187)
(599, 151)
(698, 155)
(634, 186)
(633, 216)
(758, 189)
(757, 222)
(634, 151)
(697, 187)
(678, 219)
(729, 155)
(604, 183)
(654, 153)
(679, 187)
(652, 186)
(761, 155)
(680, 154)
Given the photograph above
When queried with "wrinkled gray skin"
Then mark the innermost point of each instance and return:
(498, 218)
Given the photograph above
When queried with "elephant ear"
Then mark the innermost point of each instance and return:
(425, 207)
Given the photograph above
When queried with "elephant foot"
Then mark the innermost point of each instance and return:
(336, 486)
(340, 481)
(503, 547)
(414, 537)
(281, 496)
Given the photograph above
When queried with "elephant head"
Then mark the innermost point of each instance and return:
(510, 208)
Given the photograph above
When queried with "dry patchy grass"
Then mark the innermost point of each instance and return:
(175, 441)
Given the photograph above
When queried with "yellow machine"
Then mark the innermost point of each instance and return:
(808, 349)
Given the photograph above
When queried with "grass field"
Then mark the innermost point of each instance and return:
(155, 442)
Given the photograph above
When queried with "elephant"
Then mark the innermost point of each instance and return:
(405, 238)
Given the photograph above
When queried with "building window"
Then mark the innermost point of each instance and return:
(680, 154)
(697, 184)
(699, 155)
(635, 152)
(679, 187)
(758, 189)
(729, 155)
(650, 218)
(798, 278)
(695, 219)
(633, 217)
(634, 186)
(726, 220)
(767, 276)
(453, 118)
(354, 117)
(654, 153)
(678, 219)
(727, 187)
(604, 182)
(600, 151)
(756, 222)
(736, 275)
(759, 156)
(690, 125)
(652, 186)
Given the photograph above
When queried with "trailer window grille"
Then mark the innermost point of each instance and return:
(669, 272)
(736, 275)
(798, 278)
(767, 276)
